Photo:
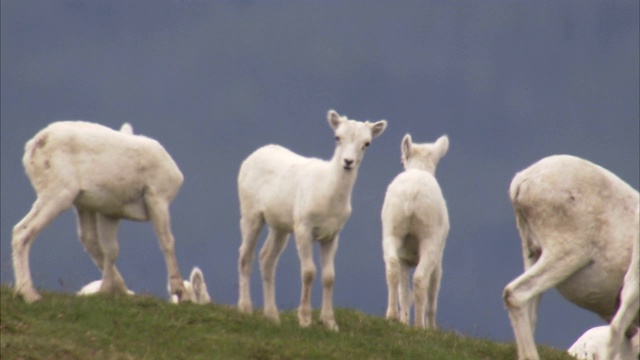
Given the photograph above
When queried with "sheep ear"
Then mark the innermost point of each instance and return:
(405, 147)
(198, 285)
(377, 128)
(334, 119)
(442, 144)
(126, 128)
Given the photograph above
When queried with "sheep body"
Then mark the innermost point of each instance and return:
(307, 196)
(415, 225)
(107, 176)
(575, 220)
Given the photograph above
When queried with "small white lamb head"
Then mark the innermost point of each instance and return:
(423, 156)
(352, 138)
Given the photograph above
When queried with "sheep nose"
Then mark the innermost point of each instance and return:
(348, 162)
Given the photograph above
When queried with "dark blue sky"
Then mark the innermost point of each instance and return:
(510, 82)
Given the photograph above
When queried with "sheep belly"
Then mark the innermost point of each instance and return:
(126, 203)
(591, 289)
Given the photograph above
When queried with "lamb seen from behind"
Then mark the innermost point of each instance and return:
(107, 176)
(577, 222)
(415, 225)
(307, 196)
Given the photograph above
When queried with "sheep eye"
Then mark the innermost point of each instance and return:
(367, 144)
(337, 138)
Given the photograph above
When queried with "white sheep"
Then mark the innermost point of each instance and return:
(577, 225)
(196, 289)
(592, 345)
(415, 225)
(107, 176)
(307, 196)
(629, 302)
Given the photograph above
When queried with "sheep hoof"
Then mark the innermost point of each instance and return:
(273, 316)
(245, 308)
(31, 296)
(392, 316)
(330, 324)
(304, 318)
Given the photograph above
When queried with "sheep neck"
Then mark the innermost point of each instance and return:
(339, 183)
(414, 165)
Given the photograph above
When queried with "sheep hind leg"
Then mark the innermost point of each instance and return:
(44, 210)
(250, 227)
(405, 293)
(107, 230)
(392, 271)
(421, 282)
(88, 235)
(432, 296)
(269, 255)
(551, 269)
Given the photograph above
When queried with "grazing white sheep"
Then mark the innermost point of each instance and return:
(629, 302)
(577, 222)
(107, 176)
(415, 225)
(592, 345)
(196, 288)
(307, 196)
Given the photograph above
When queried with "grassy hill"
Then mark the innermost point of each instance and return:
(64, 326)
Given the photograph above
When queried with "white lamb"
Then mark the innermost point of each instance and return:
(307, 196)
(592, 345)
(107, 176)
(629, 303)
(578, 223)
(196, 289)
(415, 225)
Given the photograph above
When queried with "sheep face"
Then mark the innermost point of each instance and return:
(423, 156)
(352, 139)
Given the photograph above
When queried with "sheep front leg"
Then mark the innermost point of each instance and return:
(304, 244)
(327, 256)
(250, 227)
(159, 213)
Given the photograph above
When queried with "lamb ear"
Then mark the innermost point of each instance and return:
(405, 146)
(334, 119)
(198, 285)
(377, 128)
(442, 144)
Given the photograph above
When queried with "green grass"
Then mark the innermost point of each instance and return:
(63, 326)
